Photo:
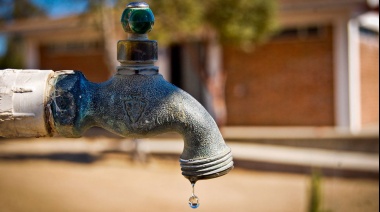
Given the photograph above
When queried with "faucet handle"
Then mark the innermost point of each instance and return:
(137, 18)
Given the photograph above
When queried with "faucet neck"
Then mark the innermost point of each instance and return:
(140, 69)
(137, 50)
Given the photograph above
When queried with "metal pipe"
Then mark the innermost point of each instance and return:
(23, 98)
(136, 102)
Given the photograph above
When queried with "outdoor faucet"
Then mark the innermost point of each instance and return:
(136, 102)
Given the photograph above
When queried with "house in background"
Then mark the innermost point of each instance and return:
(322, 69)
(68, 43)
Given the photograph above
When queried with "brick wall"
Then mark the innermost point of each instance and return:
(287, 81)
(369, 61)
(90, 60)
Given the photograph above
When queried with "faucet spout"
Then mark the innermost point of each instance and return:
(142, 105)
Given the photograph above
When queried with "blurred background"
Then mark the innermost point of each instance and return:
(292, 84)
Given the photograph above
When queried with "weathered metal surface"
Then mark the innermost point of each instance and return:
(138, 102)
(137, 106)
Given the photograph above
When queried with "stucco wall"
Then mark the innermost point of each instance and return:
(91, 61)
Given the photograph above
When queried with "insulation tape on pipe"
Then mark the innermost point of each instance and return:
(23, 98)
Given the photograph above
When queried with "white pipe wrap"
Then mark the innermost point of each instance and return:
(23, 97)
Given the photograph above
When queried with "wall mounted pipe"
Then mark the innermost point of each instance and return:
(23, 98)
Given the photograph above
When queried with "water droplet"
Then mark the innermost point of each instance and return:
(193, 200)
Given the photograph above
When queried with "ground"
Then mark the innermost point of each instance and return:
(115, 183)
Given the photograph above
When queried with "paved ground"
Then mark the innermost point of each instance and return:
(281, 155)
(56, 174)
(114, 183)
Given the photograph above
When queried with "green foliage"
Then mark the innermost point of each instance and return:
(242, 20)
(234, 21)
(315, 192)
(19, 9)
(176, 19)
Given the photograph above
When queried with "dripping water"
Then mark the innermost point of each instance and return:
(193, 200)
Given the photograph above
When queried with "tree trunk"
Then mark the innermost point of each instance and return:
(109, 38)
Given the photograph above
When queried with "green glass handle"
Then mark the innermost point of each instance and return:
(137, 18)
